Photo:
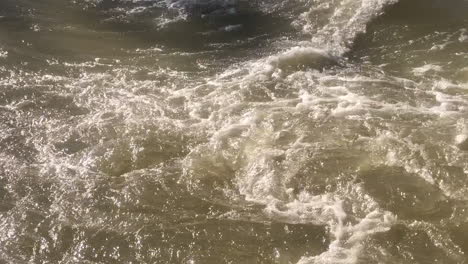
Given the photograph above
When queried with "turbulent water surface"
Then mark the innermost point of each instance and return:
(224, 131)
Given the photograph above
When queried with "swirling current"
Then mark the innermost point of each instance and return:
(234, 131)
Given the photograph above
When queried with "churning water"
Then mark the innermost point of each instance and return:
(223, 131)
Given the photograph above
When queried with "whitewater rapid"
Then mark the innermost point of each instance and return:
(192, 131)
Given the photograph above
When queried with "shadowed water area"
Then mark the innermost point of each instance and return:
(224, 131)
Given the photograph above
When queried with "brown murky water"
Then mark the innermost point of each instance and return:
(205, 131)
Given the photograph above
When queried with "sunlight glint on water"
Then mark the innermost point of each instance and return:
(212, 131)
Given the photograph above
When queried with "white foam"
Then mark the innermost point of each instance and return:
(463, 132)
(444, 84)
(231, 124)
(261, 179)
(449, 104)
(431, 68)
(298, 55)
(195, 6)
(461, 138)
(346, 19)
(463, 36)
(347, 246)
(3, 54)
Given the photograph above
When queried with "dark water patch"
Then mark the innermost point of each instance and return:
(104, 246)
(326, 170)
(144, 150)
(212, 241)
(405, 194)
(44, 39)
(408, 246)
(224, 241)
(30, 199)
(432, 12)
(40, 99)
(149, 217)
(459, 235)
(411, 34)
(17, 145)
(71, 145)
(197, 33)
(14, 140)
(97, 33)
(464, 145)
(6, 197)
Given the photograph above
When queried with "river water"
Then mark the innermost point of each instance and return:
(224, 131)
